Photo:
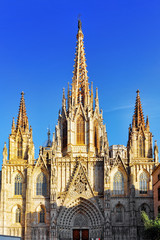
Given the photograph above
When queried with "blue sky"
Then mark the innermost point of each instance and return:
(37, 46)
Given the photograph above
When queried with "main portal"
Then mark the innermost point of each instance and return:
(80, 234)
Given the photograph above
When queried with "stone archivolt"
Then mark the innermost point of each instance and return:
(79, 171)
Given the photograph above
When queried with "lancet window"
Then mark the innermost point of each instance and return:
(42, 215)
(118, 183)
(96, 135)
(64, 134)
(119, 213)
(141, 147)
(41, 185)
(19, 148)
(80, 131)
(18, 215)
(18, 185)
(143, 182)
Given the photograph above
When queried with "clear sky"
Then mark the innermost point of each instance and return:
(37, 46)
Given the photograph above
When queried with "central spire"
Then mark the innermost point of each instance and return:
(80, 90)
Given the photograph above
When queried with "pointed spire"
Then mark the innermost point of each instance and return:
(80, 78)
(92, 95)
(13, 125)
(22, 121)
(138, 118)
(63, 99)
(147, 124)
(97, 99)
(49, 143)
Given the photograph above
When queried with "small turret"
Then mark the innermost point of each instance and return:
(13, 126)
(147, 124)
(97, 99)
(140, 137)
(156, 158)
(49, 143)
(20, 139)
(63, 99)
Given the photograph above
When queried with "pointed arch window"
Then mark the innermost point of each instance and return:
(80, 131)
(143, 182)
(41, 185)
(118, 183)
(42, 215)
(141, 146)
(19, 148)
(119, 213)
(18, 215)
(18, 185)
(96, 135)
(64, 134)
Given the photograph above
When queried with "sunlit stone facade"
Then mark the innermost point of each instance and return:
(78, 188)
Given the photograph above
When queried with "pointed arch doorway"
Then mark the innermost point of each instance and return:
(80, 230)
(80, 234)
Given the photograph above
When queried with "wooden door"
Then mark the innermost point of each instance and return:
(85, 234)
(76, 234)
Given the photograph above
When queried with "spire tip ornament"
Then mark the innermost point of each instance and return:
(79, 24)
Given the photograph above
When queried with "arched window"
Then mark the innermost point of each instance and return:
(96, 135)
(41, 186)
(18, 185)
(19, 148)
(143, 181)
(65, 134)
(145, 208)
(119, 213)
(80, 131)
(118, 183)
(42, 215)
(18, 215)
(141, 147)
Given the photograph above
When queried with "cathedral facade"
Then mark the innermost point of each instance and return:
(79, 187)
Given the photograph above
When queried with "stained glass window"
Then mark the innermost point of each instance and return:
(18, 215)
(118, 183)
(41, 186)
(119, 213)
(143, 180)
(80, 131)
(42, 215)
(18, 185)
